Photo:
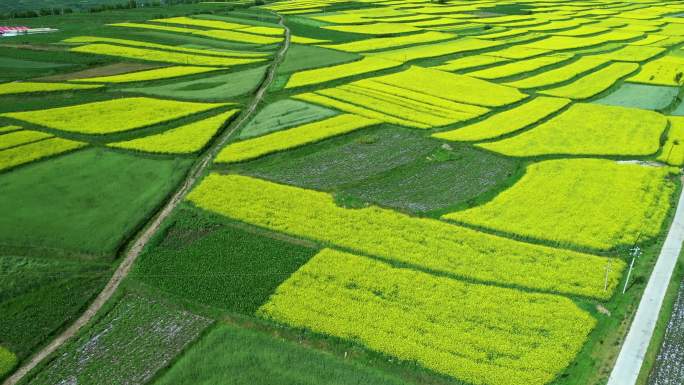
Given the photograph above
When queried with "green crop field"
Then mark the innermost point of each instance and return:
(334, 192)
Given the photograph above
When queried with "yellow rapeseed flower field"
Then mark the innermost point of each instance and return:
(185, 139)
(589, 129)
(564, 202)
(421, 242)
(112, 115)
(479, 334)
(293, 137)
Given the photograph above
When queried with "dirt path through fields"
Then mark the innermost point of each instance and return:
(153, 226)
(631, 357)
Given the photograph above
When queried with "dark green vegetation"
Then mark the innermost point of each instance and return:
(208, 88)
(39, 295)
(392, 167)
(232, 355)
(643, 96)
(128, 345)
(208, 260)
(88, 202)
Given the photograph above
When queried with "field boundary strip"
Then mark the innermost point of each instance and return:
(143, 237)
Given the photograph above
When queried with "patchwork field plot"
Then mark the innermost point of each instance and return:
(208, 88)
(39, 295)
(154, 74)
(81, 192)
(30, 87)
(435, 245)
(112, 116)
(589, 129)
(539, 205)
(508, 121)
(284, 114)
(145, 331)
(230, 354)
(334, 192)
(293, 137)
(483, 335)
(180, 140)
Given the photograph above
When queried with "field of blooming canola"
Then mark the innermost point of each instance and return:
(522, 85)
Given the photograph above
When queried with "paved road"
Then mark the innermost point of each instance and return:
(143, 238)
(628, 364)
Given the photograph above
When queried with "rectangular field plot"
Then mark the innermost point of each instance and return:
(34, 87)
(417, 97)
(154, 74)
(30, 152)
(379, 43)
(164, 47)
(644, 96)
(138, 336)
(469, 62)
(294, 137)
(426, 51)
(593, 84)
(564, 202)
(589, 129)
(259, 358)
(508, 121)
(208, 88)
(112, 116)
(664, 71)
(391, 167)
(153, 55)
(427, 243)
(18, 138)
(340, 71)
(89, 201)
(519, 67)
(180, 140)
(283, 114)
(476, 333)
(559, 75)
(39, 295)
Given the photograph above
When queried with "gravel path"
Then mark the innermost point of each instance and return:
(631, 357)
(152, 227)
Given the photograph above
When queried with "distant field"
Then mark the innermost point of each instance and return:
(34, 5)
(333, 192)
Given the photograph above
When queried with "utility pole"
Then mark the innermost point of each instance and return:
(636, 252)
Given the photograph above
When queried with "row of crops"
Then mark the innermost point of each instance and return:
(428, 193)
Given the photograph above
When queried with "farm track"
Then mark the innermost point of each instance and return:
(634, 348)
(153, 226)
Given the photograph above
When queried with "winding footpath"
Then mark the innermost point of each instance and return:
(153, 226)
(631, 357)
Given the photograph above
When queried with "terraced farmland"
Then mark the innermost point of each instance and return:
(458, 192)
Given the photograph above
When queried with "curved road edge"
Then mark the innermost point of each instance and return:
(144, 237)
(634, 348)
